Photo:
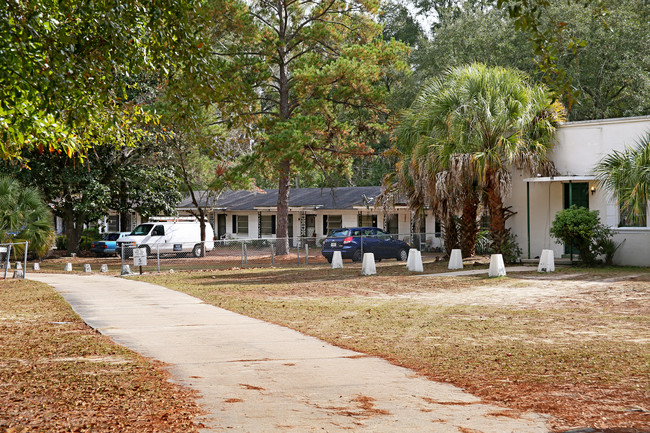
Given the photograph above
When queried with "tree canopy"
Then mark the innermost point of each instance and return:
(307, 82)
(64, 65)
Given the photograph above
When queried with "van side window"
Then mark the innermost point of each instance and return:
(158, 231)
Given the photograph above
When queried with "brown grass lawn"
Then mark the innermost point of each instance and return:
(574, 344)
(56, 374)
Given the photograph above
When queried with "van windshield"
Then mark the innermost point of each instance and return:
(141, 230)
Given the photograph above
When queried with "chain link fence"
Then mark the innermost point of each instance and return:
(14, 252)
(248, 253)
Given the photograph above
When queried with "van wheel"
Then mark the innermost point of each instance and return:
(197, 251)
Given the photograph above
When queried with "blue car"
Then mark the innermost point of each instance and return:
(108, 245)
(354, 242)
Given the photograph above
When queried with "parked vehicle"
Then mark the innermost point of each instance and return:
(167, 235)
(108, 245)
(354, 242)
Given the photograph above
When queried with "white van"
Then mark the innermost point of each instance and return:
(166, 235)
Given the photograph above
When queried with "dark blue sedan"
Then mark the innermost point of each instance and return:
(354, 242)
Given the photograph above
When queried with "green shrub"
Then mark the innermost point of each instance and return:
(509, 250)
(61, 242)
(581, 228)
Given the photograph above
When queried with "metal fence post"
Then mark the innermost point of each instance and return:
(272, 255)
(122, 255)
(306, 253)
(298, 251)
(7, 261)
(158, 256)
(361, 245)
(242, 254)
(245, 253)
(25, 260)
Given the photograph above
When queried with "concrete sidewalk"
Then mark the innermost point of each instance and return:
(259, 377)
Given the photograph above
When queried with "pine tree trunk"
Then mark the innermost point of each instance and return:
(283, 208)
(468, 227)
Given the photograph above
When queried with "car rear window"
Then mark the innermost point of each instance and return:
(112, 237)
(340, 233)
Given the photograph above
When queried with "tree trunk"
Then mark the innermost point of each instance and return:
(73, 228)
(125, 224)
(468, 227)
(283, 208)
(450, 233)
(498, 231)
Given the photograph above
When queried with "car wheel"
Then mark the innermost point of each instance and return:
(402, 255)
(357, 255)
(197, 251)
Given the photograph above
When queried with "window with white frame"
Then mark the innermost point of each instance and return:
(240, 224)
(331, 222)
(392, 223)
(368, 220)
(629, 218)
(267, 224)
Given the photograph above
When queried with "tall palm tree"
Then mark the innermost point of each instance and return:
(24, 216)
(627, 175)
(490, 119)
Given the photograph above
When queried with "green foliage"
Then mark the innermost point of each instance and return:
(582, 229)
(464, 131)
(592, 55)
(61, 242)
(24, 216)
(509, 249)
(63, 64)
(627, 175)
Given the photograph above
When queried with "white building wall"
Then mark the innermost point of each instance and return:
(579, 147)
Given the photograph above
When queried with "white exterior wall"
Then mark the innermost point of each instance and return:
(579, 147)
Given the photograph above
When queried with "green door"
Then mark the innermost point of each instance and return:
(575, 194)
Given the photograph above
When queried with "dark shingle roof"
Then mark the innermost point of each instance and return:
(323, 198)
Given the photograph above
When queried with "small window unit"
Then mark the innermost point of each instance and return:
(628, 218)
(331, 222)
(392, 223)
(267, 224)
(367, 220)
(240, 224)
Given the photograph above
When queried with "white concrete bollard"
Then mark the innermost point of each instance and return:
(411, 259)
(455, 260)
(497, 268)
(103, 268)
(126, 270)
(18, 273)
(368, 264)
(19, 266)
(87, 268)
(337, 260)
(36, 266)
(414, 262)
(546, 261)
(68, 267)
